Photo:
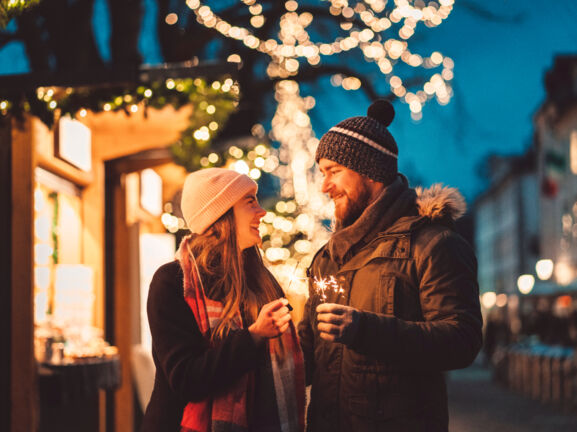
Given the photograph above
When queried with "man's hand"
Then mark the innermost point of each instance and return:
(337, 323)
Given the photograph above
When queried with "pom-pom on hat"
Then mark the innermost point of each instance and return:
(209, 193)
(364, 144)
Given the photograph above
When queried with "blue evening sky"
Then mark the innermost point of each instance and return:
(498, 86)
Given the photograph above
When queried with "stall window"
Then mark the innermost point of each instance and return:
(64, 287)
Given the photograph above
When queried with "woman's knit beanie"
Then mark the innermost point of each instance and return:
(208, 193)
(363, 144)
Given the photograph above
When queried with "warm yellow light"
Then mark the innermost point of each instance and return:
(395, 82)
(255, 9)
(573, 152)
(233, 58)
(291, 5)
(488, 299)
(351, 83)
(171, 19)
(254, 173)
(564, 273)
(437, 57)
(257, 21)
(501, 300)
(544, 269)
(525, 283)
(259, 162)
(241, 166)
(415, 106)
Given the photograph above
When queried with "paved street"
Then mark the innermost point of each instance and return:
(476, 404)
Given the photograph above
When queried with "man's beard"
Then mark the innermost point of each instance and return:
(354, 207)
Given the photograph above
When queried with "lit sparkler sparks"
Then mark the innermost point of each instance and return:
(324, 286)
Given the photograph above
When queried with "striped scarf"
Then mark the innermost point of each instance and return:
(228, 412)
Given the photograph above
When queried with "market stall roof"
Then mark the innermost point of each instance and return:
(114, 76)
(116, 134)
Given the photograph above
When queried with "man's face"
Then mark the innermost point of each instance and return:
(349, 190)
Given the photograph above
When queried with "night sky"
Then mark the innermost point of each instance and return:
(498, 86)
(499, 68)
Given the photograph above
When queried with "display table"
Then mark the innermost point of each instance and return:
(69, 393)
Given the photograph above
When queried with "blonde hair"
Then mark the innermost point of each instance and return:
(239, 279)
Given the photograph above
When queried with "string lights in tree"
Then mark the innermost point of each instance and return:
(364, 26)
(382, 32)
(12, 8)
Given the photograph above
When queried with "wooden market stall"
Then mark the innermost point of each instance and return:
(79, 218)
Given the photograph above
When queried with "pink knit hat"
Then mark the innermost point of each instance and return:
(208, 193)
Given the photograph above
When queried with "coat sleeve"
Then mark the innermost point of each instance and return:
(192, 369)
(306, 338)
(450, 335)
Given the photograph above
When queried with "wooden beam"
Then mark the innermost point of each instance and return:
(120, 406)
(6, 271)
(23, 364)
(64, 170)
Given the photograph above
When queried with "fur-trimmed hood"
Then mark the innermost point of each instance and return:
(399, 209)
(440, 201)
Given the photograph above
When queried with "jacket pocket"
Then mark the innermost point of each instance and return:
(385, 295)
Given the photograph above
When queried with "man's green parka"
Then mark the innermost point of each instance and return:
(414, 280)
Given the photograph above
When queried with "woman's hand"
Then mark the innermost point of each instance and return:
(272, 321)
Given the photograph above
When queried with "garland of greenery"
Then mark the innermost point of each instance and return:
(212, 102)
(12, 8)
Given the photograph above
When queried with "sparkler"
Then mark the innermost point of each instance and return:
(324, 286)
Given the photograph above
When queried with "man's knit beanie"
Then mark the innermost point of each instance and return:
(363, 144)
(209, 193)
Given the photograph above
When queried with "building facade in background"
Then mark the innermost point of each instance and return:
(526, 224)
(556, 139)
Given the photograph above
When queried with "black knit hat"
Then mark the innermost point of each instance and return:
(364, 144)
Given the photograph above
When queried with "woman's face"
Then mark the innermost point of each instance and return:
(247, 216)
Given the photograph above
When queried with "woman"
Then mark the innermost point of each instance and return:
(225, 349)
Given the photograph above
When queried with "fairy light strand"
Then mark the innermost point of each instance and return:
(295, 43)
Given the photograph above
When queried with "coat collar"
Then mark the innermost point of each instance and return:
(397, 209)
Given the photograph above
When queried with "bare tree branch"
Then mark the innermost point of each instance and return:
(488, 15)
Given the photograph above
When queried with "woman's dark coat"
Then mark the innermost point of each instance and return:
(414, 279)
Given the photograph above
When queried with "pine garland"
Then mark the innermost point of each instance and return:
(213, 103)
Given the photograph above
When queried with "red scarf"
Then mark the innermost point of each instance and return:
(229, 411)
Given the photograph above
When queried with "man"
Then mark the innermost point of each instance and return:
(406, 307)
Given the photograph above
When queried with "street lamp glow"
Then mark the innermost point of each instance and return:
(564, 273)
(488, 299)
(501, 300)
(544, 269)
(525, 283)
